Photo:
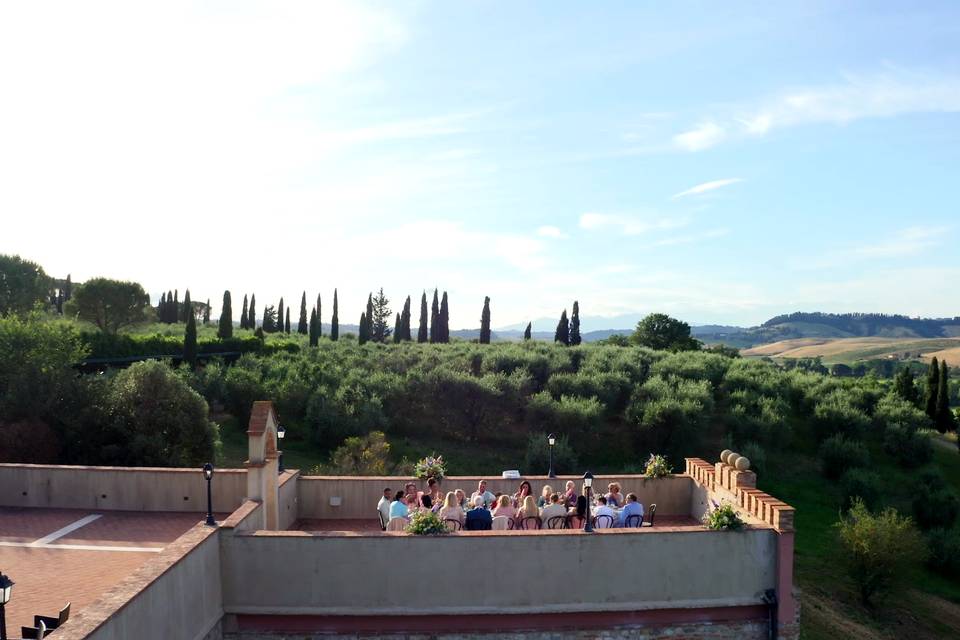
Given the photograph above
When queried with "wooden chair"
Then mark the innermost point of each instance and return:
(531, 522)
(652, 513)
(633, 522)
(557, 522)
(452, 525)
(603, 522)
(53, 623)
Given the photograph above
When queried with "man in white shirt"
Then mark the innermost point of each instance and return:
(605, 510)
(551, 510)
(384, 505)
(488, 498)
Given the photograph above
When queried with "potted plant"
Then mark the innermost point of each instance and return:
(657, 467)
(723, 518)
(426, 523)
(430, 467)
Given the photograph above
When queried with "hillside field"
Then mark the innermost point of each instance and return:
(851, 350)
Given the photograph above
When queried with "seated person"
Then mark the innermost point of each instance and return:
(544, 498)
(604, 509)
(614, 497)
(478, 518)
(413, 505)
(411, 489)
(632, 508)
(450, 509)
(384, 505)
(426, 502)
(528, 509)
(555, 508)
(524, 491)
(398, 508)
(488, 498)
(434, 491)
(462, 500)
(570, 494)
(504, 508)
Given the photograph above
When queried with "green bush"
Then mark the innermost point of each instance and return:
(838, 414)
(426, 523)
(908, 447)
(838, 454)
(723, 518)
(944, 547)
(537, 458)
(879, 550)
(757, 456)
(935, 505)
(657, 467)
(860, 484)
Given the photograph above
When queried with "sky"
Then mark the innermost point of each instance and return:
(720, 162)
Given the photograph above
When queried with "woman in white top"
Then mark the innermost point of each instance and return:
(450, 509)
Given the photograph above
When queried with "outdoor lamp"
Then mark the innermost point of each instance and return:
(6, 587)
(551, 440)
(587, 484)
(280, 433)
(208, 474)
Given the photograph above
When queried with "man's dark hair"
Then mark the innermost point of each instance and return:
(399, 496)
(602, 500)
(427, 501)
(631, 497)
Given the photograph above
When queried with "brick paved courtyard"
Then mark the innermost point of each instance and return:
(57, 556)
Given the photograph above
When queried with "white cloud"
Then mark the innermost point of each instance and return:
(707, 186)
(690, 238)
(629, 225)
(904, 243)
(703, 136)
(548, 231)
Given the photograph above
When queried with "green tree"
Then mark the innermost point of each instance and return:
(405, 321)
(280, 316)
(252, 320)
(378, 317)
(397, 329)
(187, 307)
(169, 309)
(485, 321)
(314, 331)
(225, 328)
(444, 318)
(435, 332)
(269, 322)
(206, 313)
(319, 318)
(660, 331)
(110, 304)
(880, 550)
(527, 333)
(334, 320)
(244, 314)
(364, 332)
(68, 288)
(302, 324)
(422, 332)
(23, 285)
(175, 309)
(562, 334)
(944, 419)
(933, 389)
(162, 307)
(575, 338)
(190, 339)
(286, 324)
(903, 386)
(368, 455)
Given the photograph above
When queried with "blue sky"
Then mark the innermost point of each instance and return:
(719, 163)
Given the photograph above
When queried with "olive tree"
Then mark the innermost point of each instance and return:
(109, 304)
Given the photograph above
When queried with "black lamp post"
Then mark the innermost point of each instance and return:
(6, 587)
(551, 440)
(280, 433)
(208, 474)
(587, 484)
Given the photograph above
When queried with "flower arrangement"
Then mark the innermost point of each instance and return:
(426, 523)
(430, 467)
(657, 467)
(723, 518)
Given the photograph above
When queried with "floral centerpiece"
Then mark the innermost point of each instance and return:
(430, 467)
(426, 523)
(657, 467)
(723, 518)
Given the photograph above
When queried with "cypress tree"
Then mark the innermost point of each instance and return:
(167, 307)
(190, 339)
(435, 319)
(444, 319)
(269, 323)
(225, 330)
(485, 321)
(68, 289)
(933, 388)
(280, 316)
(405, 321)
(526, 332)
(175, 310)
(562, 334)
(187, 307)
(302, 324)
(422, 332)
(369, 315)
(314, 335)
(334, 320)
(252, 320)
(162, 307)
(397, 329)
(319, 318)
(944, 420)
(286, 325)
(575, 324)
(244, 314)
(364, 334)
(903, 386)
(206, 313)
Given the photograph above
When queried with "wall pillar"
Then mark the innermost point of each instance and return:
(262, 465)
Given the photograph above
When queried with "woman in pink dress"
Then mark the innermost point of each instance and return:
(504, 508)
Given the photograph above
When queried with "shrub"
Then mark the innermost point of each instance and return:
(757, 457)
(723, 518)
(537, 458)
(837, 414)
(426, 523)
(908, 447)
(28, 441)
(837, 454)
(935, 505)
(366, 456)
(944, 547)
(860, 484)
(879, 550)
(657, 467)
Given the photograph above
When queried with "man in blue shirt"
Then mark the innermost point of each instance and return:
(632, 508)
(478, 518)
